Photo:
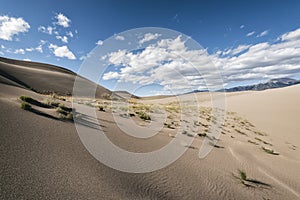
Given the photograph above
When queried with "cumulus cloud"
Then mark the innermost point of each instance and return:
(236, 50)
(19, 51)
(48, 30)
(264, 33)
(10, 26)
(62, 20)
(26, 59)
(170, 63)
(64, 39)
(119, 37)
(242, 26)
(70, 34)
(293, 35)
(99, 42)
(62, 51)
(250, 33)
(148, 37)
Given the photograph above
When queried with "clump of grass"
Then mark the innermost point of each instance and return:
(248, 182)
(26, 106)
(201, 134)
(65, 108)
(144, 116)
(243, 175)
(240, 132)
(252, 142)
(270, 151)
(61, 111)
(184, 132)
(26, 98)
(101, 108)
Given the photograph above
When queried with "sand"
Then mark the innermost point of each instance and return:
(44, 158)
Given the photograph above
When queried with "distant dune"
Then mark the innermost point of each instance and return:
(42, 78)
(42, 157)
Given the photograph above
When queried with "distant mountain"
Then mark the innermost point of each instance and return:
(273, 83)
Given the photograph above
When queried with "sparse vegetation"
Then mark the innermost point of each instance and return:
(270, 151)
(252, 142)
(144, 116)
(201, 134)
(101, 108)
(26, 106)
(242, 176)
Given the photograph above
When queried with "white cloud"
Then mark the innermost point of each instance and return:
(293, 35)
(26, 59)
(70, 34)
(119, 37)
(111, 75)
(242, 26)
(29, 49)
(62, 51)
(2, 46)
(148, 37)
(235, 51)
(250, 33)
(165, 63)
(264, 33)
(99, 42)
(48, 30)
(39, 48)
(10, 26)
(62, 20)
(19, 51)
(64, 39)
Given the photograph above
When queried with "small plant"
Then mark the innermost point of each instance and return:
(26, 106)
(248, 182)
(144, 116)
(26, 98)
(61, 111)
(252, 142)
(270, 151)
(101, 108)
(201, 134)
(65, 108)
(243, 175)
(69, 117)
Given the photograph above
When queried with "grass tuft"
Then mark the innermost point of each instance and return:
(270, 151)
(26, 106)
(144, 116)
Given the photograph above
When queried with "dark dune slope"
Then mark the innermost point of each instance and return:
(42, 78)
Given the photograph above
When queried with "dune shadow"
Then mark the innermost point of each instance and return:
(42, 114)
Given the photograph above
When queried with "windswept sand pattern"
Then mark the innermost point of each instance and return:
(43, 157)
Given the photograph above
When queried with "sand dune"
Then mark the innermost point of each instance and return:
(43, 158)
(42, 78)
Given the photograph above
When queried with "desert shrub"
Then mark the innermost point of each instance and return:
(201, 134)
(26, 98)
(33, 101)
(26, 106)
(65, 108)
(61, 111)
(243, 175)
(101, 108)
(144, 116)
(69, 116)
(270, 151)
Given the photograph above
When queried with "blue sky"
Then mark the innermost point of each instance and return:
(75, 27)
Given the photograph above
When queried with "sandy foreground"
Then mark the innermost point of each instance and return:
(43, 158)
